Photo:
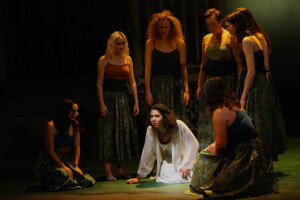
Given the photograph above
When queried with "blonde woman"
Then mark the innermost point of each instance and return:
(117, 91)
(166, 78)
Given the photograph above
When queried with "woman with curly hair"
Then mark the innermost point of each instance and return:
(217, 60)
(237, 163)
(118, 100)
(256, 90)
(58, 164)
(166, 78)
(172, 144)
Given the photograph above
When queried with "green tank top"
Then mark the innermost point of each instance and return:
(222, 52)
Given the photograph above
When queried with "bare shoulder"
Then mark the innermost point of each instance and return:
(181, 42)
(260, 36)
(247, 41)
(220, 114)
(50, 124)
(128, 58)
(206, 37)
(102, 60)
(149, 42)
(50, 127)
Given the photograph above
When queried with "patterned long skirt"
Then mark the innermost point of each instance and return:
(246, 171)
(53, 178)
(206, 134)
(264, 110)
(280, 130)
(117, 138)
(166, 90)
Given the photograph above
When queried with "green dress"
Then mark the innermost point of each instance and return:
(220, 63)
(243, 168)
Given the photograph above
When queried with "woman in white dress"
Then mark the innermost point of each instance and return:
(172, 144)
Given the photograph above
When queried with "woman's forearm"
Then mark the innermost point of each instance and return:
(248, 83)
(184, 75)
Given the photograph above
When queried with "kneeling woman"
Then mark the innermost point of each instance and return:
(57, 167)
(236, 164)
(172, 144)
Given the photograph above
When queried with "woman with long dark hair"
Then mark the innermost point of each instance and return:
(237, 163)
(255, 88)
(172, 144)
(58, 164)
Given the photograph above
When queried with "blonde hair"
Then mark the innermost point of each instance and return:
(111, 42)
(175, 26)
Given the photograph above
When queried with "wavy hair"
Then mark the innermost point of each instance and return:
(219, 95)
(111, 42)
(169, 118)
(175, 26)
(62, 120)
(253, 25)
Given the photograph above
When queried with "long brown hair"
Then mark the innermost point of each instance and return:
(169, 118)
(219, 95)
(253, 25)
(62, 120)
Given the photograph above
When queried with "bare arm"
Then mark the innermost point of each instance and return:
(100, 76)
(148, 62)
(220, 123)
(133, 87)
(184, 74)
(77, 151)
(247, 45)
(201, 75)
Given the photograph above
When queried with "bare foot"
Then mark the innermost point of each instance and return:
(123, 174)
(110, 177)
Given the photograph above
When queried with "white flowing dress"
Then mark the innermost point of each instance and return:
(179, 154)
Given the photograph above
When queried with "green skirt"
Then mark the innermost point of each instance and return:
(167, 90)
(117, 138)
(206, 134)
(264, 110)
(246, 171)
(53, 178)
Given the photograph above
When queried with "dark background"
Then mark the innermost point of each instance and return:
(49, 50)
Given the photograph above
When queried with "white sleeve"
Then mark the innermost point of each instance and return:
(191, 146)
(148, 155)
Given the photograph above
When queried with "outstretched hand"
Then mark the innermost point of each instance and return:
(134, 180)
